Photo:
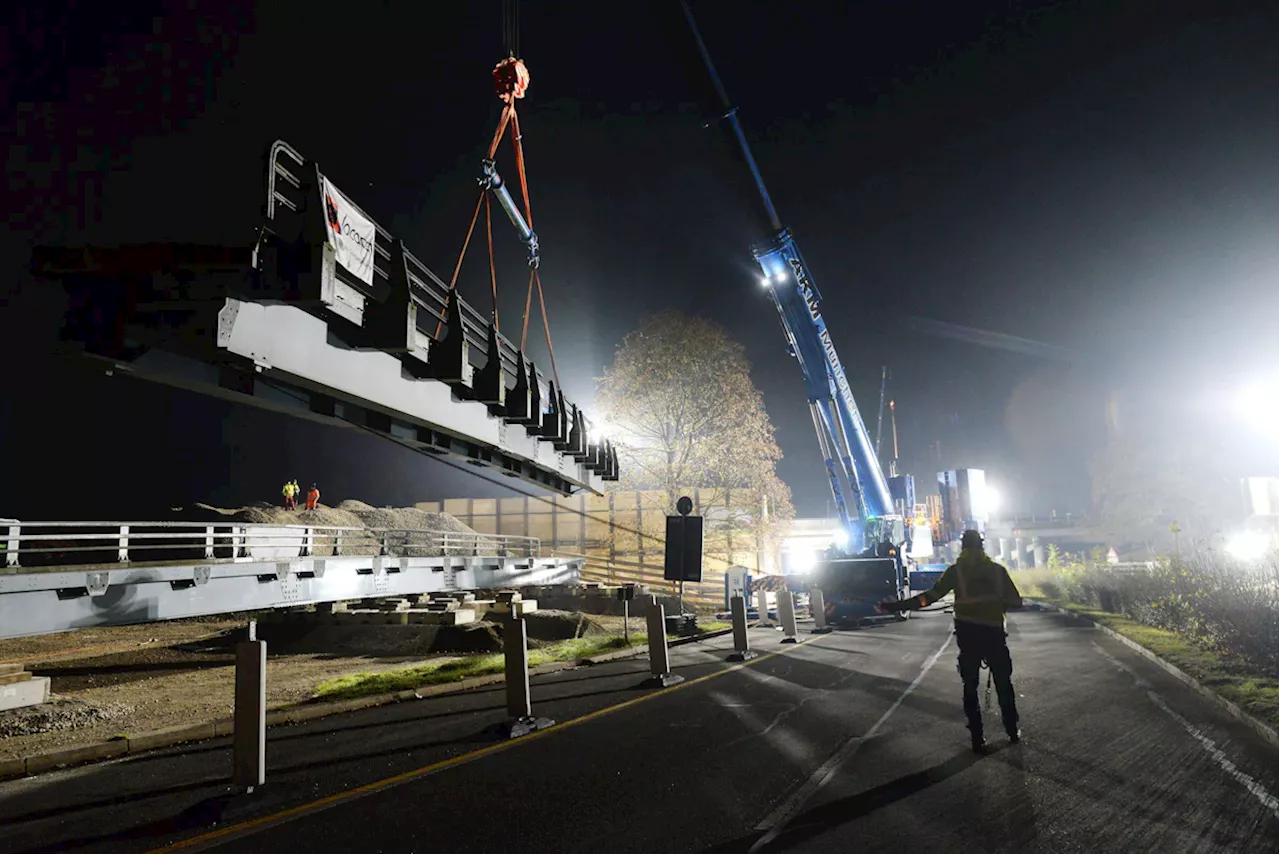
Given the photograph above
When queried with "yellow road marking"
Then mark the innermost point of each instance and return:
(226, 834)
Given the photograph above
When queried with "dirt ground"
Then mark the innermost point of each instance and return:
(116, 681)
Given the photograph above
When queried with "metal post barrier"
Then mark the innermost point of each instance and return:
(515, 650)
(818, 605)
(249, 739)
(741, 643)
(208, 543)
(787, 614)
(659, 656)
(124, 544)
(762, 606)
(13, 545)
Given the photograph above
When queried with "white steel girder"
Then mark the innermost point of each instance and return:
(66, 598)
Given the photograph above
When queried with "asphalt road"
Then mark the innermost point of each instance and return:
(849, 741)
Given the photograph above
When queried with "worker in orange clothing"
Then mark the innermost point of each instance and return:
(313, 497)
(984, 592)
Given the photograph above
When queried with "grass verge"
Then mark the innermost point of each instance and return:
(456, 669)
(1256, 693)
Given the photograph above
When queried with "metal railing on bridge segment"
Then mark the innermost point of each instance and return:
(59, 543)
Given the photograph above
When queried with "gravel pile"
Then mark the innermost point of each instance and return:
(363, 517)
(58, 714)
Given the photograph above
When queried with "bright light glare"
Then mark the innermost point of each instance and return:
(780, 278)
(841, 538)
(993, 501)
(765, 281)
(1257, 404)
(601, 430)
(1247, 545)
(804, 560)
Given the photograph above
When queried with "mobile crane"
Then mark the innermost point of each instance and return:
(866, 510)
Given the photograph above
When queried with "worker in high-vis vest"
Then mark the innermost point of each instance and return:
(983, 593)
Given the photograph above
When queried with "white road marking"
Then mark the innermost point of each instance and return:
(777, 819)
(1251, 785)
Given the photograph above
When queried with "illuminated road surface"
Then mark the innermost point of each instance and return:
(852, 741)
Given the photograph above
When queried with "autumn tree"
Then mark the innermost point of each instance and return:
(684, 414)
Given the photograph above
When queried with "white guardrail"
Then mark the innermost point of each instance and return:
(58, 544)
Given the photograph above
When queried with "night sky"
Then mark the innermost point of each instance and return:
(1096, 176)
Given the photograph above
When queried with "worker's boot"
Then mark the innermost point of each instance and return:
(1015, 734)
(976, 740)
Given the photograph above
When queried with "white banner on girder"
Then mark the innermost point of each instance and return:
(350, 233)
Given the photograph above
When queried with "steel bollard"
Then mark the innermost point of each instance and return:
(249, 738)
(659, 656)
(787, 615)
(818, 605)
(515, 652)
(741, 643)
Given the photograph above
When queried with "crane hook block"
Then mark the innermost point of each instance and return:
(510, 79)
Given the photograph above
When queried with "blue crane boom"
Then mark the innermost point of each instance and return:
(847, 449)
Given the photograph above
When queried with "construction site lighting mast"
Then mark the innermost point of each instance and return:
(846, 447)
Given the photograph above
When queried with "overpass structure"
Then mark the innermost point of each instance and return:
(59, 576)
(327, 316)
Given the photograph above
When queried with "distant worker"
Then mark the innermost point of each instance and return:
(289, 491)
(313, 497)
(984, 592)
(297, 491)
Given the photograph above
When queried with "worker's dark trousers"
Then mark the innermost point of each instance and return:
(979, 643)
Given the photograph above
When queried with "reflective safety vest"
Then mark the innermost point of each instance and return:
(982, 589)
(287, 492)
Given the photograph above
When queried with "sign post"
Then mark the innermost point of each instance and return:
(683, 555)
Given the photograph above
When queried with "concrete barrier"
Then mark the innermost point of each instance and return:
(515, 651)
(659, 656)
(762, 607)
(818, 605)
(249, 734)
(741, 642)
(787, 615)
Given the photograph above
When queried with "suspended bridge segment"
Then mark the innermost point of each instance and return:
(327, 316)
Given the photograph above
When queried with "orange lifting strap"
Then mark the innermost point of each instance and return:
(511, 81)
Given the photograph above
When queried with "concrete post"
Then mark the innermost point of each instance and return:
(787, 615)
(515, 649)
(515, 652)
(1019, 549)
(1004, 551)
(1037, 552)
(249, 738)
(659, 657)
(818, 605)
(762, 606)
(741, 643)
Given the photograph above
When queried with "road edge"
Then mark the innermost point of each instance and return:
(1270, 735)
(81, 754)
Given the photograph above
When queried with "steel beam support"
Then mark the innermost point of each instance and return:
(58, 600)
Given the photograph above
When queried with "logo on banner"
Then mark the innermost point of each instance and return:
(350, 233)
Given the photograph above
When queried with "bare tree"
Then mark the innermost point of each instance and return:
(685, 414)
